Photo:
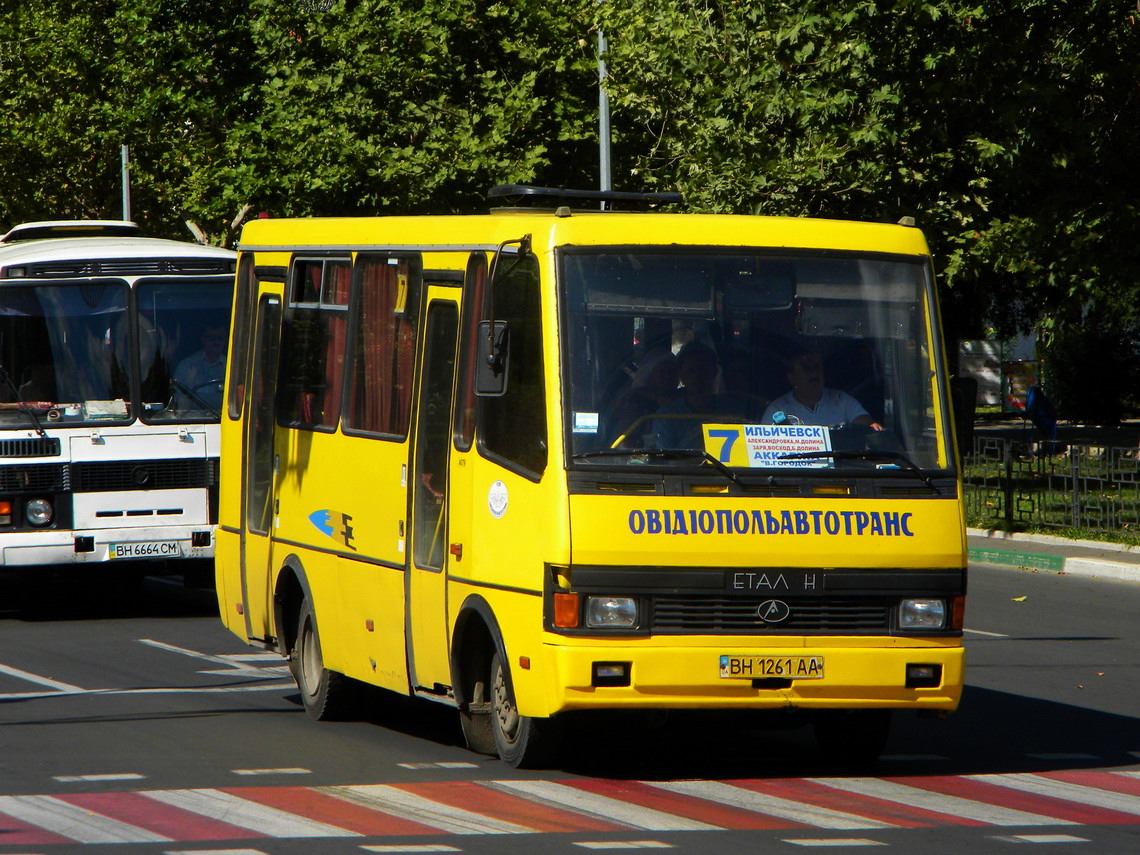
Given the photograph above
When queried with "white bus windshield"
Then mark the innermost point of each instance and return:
(770, 362)
(84, 352)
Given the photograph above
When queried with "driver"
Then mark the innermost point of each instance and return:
(811, 403)
(199, 377)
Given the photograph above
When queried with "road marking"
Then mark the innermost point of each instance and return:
(1042, 838)
(232, 668)
(562, 796)
(405, 805)
(213, 852)
(427, 847)
(243, 813)
(833, 841)
(40, 681)
(76, 823)
(114, 776)
(1040, 786)
(624, 844)
(820, 817)
(284, 771)
(456, 765)
(983, 632)
(938, 802)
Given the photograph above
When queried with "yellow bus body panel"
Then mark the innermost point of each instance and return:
(504, 551)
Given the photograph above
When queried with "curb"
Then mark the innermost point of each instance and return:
(1062, 565)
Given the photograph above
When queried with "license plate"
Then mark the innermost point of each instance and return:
(149, 549)
(763, 667)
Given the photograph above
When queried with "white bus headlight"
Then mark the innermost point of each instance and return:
(922, 614)
(39, 512)
(611, 612)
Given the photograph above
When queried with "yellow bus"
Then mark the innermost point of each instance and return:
(548, 461)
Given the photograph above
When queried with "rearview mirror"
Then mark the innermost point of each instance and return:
(491, 360)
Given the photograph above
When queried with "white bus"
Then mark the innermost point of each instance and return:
(112, 355)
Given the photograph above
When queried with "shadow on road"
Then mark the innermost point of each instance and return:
(97, 593)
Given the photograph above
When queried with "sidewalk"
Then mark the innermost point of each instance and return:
(1055, 554)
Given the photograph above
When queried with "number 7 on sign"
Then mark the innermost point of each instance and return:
(729, 437)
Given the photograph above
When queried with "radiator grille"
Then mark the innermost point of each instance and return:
(730, 615)
(42, 478)
(141, 475)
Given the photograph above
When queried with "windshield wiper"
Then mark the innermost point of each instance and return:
(23, 406)
(866, 454)
(667, 453)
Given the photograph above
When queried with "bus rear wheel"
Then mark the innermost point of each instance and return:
(520, 740)
(327, 695)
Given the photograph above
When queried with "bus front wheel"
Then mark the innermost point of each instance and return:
(520, 740)
(327, 695)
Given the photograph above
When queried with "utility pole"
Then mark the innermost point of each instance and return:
(605, 182)
(126, 171)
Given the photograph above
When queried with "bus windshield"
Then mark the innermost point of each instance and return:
(84, 352)
(761, 360)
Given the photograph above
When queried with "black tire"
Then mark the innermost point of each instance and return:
(476, 720)
(327, 695)
(852, 739)
(521, 741)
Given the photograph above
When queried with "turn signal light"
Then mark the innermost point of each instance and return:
(566, 610)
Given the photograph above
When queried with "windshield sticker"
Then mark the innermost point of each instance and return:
(726, 521)
(497, 499)
(586, 422)
(334, 524)
(767, 446)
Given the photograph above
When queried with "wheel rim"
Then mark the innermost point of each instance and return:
(310, 659)
(506, 716)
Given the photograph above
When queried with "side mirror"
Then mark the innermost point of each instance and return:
(491, 359)
(964, 400)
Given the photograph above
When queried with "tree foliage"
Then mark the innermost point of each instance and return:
(1008, 131)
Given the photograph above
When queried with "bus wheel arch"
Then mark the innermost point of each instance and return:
(484, 693)
(475, 641)
(326, 695)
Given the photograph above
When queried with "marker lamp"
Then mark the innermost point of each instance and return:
(922, 614)
(39, 512)
(611, 612)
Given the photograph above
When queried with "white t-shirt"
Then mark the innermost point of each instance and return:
(836, 407)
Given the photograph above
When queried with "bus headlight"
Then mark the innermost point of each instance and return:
(922, 614)
(611, 612)
(39, 512)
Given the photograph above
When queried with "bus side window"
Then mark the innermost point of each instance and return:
(244, 297)
(513, 426)
(383, 345)
(312, 355)
(474, 293)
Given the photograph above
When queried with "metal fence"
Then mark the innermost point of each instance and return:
(1016, 485)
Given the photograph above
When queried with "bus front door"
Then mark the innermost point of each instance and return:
(259, 471)
(427, 618)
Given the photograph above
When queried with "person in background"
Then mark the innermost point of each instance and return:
(697, 365)
(654, 385)
(810, 402)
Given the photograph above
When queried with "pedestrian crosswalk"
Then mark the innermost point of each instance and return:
(1058, 800)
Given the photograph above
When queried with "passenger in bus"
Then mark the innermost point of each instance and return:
(654, 385)
(681, 427)
(810, 402)
(199, 377)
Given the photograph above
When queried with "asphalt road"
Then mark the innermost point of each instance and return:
(133, 720)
